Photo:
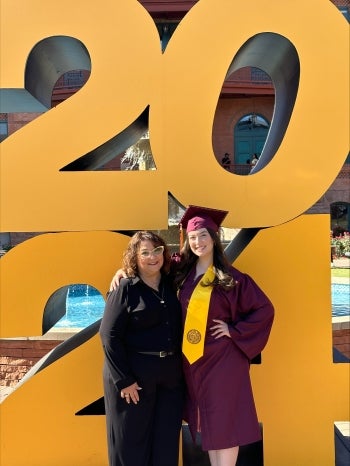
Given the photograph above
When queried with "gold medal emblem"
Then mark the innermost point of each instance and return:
(193, 336)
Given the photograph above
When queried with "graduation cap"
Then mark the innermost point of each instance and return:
(196, 217)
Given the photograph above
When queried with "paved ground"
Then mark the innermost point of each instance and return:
(342, 263)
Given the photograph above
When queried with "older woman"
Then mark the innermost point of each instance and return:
(141, 338)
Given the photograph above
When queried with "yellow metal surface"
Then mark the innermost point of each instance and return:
(36, 196)
(299, 391)
(40, 266)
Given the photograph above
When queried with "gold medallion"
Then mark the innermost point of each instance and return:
(193, 336)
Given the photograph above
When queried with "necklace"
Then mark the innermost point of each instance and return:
(157, 289)
(159, 295)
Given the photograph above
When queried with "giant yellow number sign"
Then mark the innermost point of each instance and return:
(181, 88)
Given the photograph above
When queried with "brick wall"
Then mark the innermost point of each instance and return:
(229, 112)
(341, 341)
(16, 121)
(18, 356)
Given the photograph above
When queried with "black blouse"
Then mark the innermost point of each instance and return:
(136, 319)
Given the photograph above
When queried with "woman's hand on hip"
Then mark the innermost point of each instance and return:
(220, 329)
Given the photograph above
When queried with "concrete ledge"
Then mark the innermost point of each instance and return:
(341, 323)
(57, 334)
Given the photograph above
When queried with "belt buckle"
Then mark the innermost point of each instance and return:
(163, 354)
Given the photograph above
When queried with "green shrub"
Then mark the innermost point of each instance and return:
(341, 244)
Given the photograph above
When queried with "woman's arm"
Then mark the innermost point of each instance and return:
(112, 333)
(252, 326)
(116, 279)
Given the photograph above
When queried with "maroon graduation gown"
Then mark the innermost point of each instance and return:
(220, 401)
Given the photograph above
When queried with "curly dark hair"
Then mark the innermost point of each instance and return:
(130, 254)
(220, 264)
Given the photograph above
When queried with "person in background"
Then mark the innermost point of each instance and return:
(143, 381)
(227, 321)
(225, 161)
(255, 159)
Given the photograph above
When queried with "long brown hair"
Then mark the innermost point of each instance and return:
(132, 250)
(220, 264)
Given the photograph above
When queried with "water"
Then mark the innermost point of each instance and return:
(340, 299)
(85, 305)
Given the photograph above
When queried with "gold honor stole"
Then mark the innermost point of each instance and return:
(196, 319)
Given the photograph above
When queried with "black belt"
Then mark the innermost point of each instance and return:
(160, 354)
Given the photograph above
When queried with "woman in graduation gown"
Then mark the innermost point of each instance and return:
(227, 321)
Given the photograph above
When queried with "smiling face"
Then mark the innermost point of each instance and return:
(150, 259)
(201, 243)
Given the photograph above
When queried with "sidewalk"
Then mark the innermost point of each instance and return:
(341, 263)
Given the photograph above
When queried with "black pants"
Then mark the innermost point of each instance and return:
(146, 434)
